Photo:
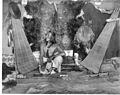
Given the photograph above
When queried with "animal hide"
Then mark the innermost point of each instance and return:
(97, 18)
(32, 31)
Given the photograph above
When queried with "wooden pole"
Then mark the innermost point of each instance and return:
(118, 26)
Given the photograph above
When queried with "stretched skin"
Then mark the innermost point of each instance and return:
(98, 19)
(66, 14)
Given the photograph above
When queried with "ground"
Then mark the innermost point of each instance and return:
(73, 82)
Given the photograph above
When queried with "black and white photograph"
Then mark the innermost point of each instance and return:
(60, 47)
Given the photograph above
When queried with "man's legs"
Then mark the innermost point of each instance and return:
(57, 63)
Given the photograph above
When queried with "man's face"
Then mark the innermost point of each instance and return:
(48, 36)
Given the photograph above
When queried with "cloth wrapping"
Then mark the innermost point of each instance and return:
(69, 53)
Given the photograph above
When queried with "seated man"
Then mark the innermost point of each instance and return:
(52, 59)
(83, 41)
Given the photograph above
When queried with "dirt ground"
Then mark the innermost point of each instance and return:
(72, 83)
